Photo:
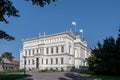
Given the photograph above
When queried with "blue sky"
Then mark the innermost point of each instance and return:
(98, 18)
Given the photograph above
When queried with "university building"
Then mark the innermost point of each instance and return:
(59, 51)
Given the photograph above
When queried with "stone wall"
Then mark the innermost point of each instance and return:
(1, 68)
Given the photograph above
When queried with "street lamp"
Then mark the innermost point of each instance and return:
(24, 65)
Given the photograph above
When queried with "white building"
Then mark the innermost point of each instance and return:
(60, 51)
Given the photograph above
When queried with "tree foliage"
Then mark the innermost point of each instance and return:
(41, 3)
(105, 59)
(7, 55)
(7, 10)
(0, 60)
(4, 35)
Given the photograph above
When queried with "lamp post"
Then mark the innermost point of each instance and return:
(24, 65)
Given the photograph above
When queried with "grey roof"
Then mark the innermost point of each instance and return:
(4, 60)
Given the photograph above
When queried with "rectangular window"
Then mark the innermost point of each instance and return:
(33, 51)
(51, 60)
(52, 50)
(46, 61)
(25, 52)
(62, 60)
(56, 49)
(47, 50)
(28, 61)
(56, 60)
(37, 51)
(62, 49)
(33, 61)
(29, 53)
(42, 61)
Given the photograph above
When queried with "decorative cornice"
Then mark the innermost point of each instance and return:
(50, 35)
(53, 54)
(79, 58)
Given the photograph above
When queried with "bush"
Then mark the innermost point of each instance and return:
(62, 70)
(50, 70)
(105, 59)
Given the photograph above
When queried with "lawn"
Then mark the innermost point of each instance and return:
(92, 76)
(11, 75)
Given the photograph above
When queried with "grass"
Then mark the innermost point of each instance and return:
(93, 76)
(11, 75)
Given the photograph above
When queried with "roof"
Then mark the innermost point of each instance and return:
(5, 60)
(55, 34)
(14, 62)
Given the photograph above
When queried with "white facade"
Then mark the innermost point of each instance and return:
(60, 51)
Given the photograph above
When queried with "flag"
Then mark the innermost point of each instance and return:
(81, 30)
(39, 34)
(74, 23)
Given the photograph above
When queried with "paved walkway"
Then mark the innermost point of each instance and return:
(54, 76)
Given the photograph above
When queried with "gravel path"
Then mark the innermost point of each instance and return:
(54, 76)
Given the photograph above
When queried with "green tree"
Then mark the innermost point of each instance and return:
(0, 60)
(7, 9)
(7, 55)
(105, 59)
(118, 52)
(4, 35)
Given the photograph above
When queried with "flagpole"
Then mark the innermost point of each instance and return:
(81, 31)
(74, 24)
(75, 28)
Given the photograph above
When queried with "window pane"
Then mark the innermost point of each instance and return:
(32, 61)
(61, 60)
(51, 61)
(42, 61)
(28, 61)
(46, 61)
(47, 50)
(29, 53)
(56, 60)
(62, 49)
(52, 50)
(56, 49)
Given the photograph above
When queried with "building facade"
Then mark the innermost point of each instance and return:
(59, 51)
(6, 65)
